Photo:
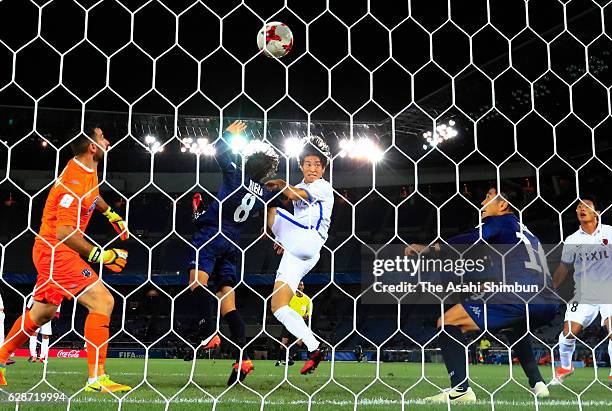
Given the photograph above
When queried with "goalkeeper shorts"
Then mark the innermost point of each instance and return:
(70, 276)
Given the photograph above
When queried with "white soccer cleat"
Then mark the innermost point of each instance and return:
(454, 396)
(540, 390)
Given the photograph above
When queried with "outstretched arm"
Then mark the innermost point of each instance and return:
(292, 193)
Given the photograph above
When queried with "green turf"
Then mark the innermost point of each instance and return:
(171, 379)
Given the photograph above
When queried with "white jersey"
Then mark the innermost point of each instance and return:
(316, 212)
(591, 256)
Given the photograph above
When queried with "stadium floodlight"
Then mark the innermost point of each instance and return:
(199, 145)
(442, 133)
(293, 147)
(362, 148)
(153, 145)
(237, 142)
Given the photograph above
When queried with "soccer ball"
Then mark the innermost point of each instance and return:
(275, 39)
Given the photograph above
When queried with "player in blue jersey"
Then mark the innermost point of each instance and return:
(525, 264)
(215, 251)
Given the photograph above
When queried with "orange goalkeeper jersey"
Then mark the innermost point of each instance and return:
(71, 202)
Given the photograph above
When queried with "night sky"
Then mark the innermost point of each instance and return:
(515, 81)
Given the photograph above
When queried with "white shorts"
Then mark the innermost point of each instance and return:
(45, 329)
(585, 314)
(302, 249)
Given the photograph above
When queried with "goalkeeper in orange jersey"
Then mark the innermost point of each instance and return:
(61, 272)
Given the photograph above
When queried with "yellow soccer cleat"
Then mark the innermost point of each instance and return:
(106, 385)
(466, 397)
(3, 376)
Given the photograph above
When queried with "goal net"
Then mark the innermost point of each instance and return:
(426, 105)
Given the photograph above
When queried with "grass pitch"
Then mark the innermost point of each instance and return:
(168, 386)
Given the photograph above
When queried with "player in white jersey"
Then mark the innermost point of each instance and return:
(45, 331)
(301, 236)
(588, 253)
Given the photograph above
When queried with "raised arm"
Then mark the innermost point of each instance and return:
(292, 193)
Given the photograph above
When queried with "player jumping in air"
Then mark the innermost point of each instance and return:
(216, 255)
(525, 263)
(302, 305)
(46, 332)
(588, 253)
(301, 236)
(60, 245)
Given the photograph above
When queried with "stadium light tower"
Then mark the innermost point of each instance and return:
(154, 145)
(293, 147)
(361, 148)
(200, 145)
(442, 133)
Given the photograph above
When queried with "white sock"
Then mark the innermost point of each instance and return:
(2, 315)
(33, 342)
(296, 326)
(566, 351)
(610, 354)
(44, 348)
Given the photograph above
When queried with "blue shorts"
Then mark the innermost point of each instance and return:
(500, 316)
(217, 258)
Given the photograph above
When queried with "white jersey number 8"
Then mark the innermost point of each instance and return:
(243, 210)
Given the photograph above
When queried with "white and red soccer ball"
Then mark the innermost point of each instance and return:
(275, 39)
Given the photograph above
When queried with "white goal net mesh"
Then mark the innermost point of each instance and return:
(425, 105)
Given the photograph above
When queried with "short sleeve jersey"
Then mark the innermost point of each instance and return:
(301, 305)
(591, 257)
(317, 210)
(70, 202)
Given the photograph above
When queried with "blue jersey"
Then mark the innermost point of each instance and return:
(522, 253)
(240, 201)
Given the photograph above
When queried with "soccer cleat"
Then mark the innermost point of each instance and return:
(10, 362)
(540, 390)
(42, 359)
(291, 362)
(610, 381)
(454, 396)
(3, 376)
(32, 359)
(314, 359)
(560, 375)
(213, 343)
(105, 385)
(246, 368)
(279, 363)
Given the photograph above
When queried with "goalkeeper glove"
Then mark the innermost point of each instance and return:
(117, 223)
(113, 259)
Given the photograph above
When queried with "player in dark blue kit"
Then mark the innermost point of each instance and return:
(240, 196)
(525, 264)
